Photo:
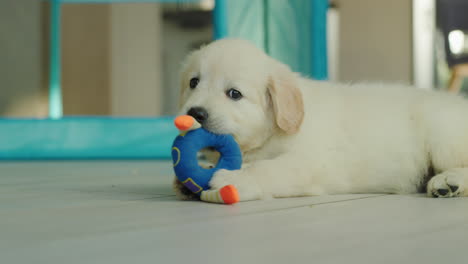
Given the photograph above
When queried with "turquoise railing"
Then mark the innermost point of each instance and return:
(291, 31)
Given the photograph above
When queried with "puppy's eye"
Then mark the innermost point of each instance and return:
(234, 94)
(194, 82)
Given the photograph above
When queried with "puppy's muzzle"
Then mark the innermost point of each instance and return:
(199, 113)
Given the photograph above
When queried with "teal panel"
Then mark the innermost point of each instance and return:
(86, 138)
(292, 31)
(289, 33)
(220, 24)
(318, 33)
(245, 20)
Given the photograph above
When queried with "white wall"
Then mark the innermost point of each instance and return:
(136, 67)
(333, 43)
(20, 57)
(424, 43)
(375, 40)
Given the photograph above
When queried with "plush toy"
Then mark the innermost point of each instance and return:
(191, 140)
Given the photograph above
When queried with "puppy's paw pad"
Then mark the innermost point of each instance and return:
(443, 192)
(453, 188)
(445, 185)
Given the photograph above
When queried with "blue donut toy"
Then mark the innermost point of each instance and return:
(194, 138)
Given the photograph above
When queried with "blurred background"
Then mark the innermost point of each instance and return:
(122, 59)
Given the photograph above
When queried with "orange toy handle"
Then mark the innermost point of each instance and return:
(184, 122)
(229, 194)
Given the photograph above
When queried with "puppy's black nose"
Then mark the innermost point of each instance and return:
(199, 113)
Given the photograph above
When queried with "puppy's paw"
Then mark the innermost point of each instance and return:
(446, 185)
(245, 185)
(222, 178)
(182, 192)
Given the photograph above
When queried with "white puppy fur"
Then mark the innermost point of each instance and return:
(301, 137)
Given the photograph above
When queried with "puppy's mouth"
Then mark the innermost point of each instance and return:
(212, 124)
(214, 127)
(211, 127)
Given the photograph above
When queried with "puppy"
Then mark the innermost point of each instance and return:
(301, 137)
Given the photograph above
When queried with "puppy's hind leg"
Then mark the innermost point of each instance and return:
(450, 183)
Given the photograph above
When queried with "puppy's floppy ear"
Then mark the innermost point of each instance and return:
(286, 98)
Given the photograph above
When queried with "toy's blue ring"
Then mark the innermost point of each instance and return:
(176, 160)
(184, 156)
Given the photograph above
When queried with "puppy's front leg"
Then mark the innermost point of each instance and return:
(268, 178)
(242, 179)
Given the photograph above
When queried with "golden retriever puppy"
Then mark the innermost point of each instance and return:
(301, 137)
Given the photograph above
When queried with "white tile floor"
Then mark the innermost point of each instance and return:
(125, 212)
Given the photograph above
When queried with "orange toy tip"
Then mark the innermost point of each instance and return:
(184, 122)
(229, 194)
